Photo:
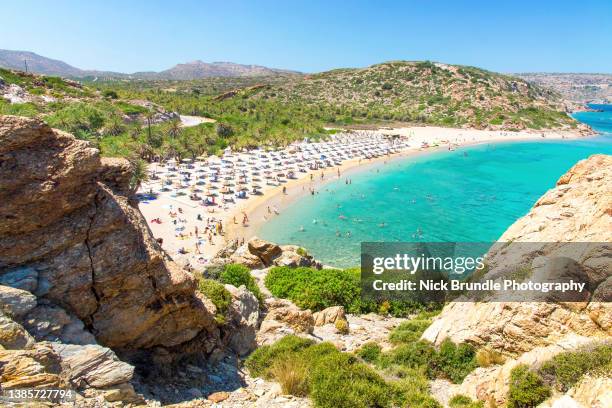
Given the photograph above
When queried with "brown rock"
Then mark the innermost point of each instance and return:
(242, 256)
(12, 335)
(66, 214)
(329, 315)
(286, 312)
(217, 397)
(264, 250)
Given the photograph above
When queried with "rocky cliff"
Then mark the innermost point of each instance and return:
(80, 272)
(571, 222)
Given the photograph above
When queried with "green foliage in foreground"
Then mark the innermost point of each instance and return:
(461, 401)
(314, 289)
(333, 379)
(565, 370)
(527, 389)
(239, 275)
(217, 293)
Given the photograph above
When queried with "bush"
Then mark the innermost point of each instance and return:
(109, 93)
(566, 369)
(314, 289)
(486, 357)
(453, 361)
(339, 381)
(239, 275)
(408, 332)
(462, 401)
(411, 355)
(369, 352)
(262, 359)
(342, 326)
(217, 293)
(331, 378)
(412, 388)
(292, 375)
(526, 388)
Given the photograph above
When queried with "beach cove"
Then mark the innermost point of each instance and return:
(244, 218)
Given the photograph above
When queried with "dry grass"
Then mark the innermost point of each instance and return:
(486, 357)
(292, 375)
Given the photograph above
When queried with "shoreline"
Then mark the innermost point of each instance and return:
(256, 209)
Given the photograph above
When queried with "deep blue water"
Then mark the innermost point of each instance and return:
(471, 194)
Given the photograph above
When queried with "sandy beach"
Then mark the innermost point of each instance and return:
(272, 200)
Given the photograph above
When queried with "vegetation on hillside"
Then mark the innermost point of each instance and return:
(315, 289)
(117, 116)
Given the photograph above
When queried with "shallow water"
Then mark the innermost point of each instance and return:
(471, 194)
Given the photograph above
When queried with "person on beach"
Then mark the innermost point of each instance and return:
(338, 172)
(235, 222)
(322, 175)
(269, 211)
(284, 189)
(311, 176)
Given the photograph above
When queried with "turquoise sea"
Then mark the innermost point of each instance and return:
(471, 194)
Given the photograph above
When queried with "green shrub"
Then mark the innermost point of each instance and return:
(462, 401)
(239, 275)
(342, 326)
(412, 355)
(408, 332)
(314, 289)
(412, 388)
(452, 361)
(217, 293)
(369, 352)
(566, 369)
(262, 359)
(301, 252)
(527, 389)
(339, 381)
(329, 377)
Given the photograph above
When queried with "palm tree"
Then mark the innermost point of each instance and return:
(175, 128)
(149, 116)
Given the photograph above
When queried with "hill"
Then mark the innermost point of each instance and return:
(192, 70)
(580, 88)
(421, 92)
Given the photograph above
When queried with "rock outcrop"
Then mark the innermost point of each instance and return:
(80, 272)
(259, 253)
(569, 226)
(71, 237)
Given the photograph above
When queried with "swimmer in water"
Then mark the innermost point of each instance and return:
(302, 228)
(348, 234)
(314, 221)
(337, 233)
(382, 225)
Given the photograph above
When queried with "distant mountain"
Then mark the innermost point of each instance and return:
(575, 87)
(200, 69)
(191, 70)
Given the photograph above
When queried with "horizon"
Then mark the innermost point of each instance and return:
(550, 38)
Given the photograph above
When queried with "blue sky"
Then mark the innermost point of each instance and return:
(310, 36)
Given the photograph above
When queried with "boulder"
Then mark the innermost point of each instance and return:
(38, 367)
(244, 317)
(264, 250)
(16, 302)
(12, 335)
(92, 365)
(301, 321)
(243, 256)
(329, 315)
